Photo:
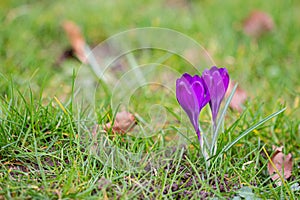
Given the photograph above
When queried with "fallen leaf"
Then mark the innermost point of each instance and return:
(76, 39)
(281, 162)
(257, 23)
(123, 123)
(238, 98)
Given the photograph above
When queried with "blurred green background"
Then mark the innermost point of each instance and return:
(32, 39)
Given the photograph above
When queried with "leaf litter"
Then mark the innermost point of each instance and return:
(258, 23)
(239, 97)
(280, 165)
(123, 123)
(76, 39)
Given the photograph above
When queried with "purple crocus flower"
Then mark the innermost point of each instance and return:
(192, 95)
(216, 80)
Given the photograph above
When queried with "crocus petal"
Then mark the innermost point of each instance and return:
(225, 77)
(188, 78)
(192, 95)
(188, 100)
(216, 81)
(201, 91)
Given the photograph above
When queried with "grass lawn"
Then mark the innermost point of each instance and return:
(52, 141)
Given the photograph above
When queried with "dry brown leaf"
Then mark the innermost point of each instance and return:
(258, 23)
(238, 98)
(281, 162)
(123, 123)
(76, 39)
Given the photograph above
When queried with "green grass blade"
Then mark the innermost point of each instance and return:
(227, 147)
(216, 132)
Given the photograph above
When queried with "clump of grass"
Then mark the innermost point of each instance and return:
(47, 151)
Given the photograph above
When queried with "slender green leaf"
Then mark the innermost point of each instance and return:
(243, 134)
